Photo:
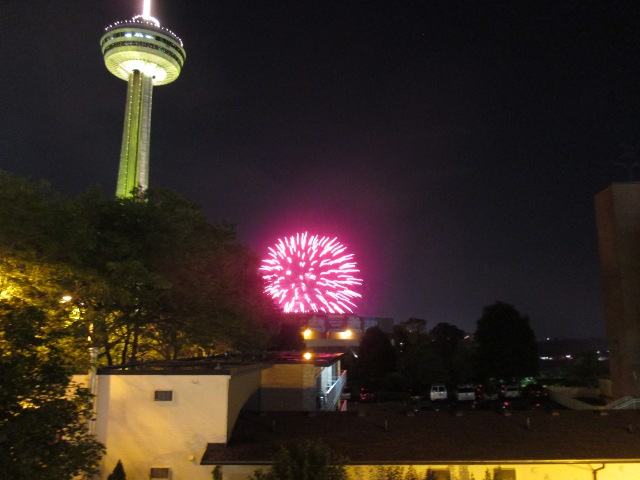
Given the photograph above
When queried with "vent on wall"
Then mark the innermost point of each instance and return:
(160, 473)
(505, 473)
(163, 396)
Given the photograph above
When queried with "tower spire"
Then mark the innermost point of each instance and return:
(146, 13)
(146, 8)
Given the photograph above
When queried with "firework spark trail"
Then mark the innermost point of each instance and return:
(311, 274)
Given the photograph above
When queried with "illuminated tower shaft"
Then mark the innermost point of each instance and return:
(145, 55)
(134, 157)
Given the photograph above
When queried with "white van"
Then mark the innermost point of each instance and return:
(438, 392)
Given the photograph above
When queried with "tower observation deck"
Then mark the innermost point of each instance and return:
(144, 54)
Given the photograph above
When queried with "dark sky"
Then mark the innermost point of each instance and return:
(455, 147)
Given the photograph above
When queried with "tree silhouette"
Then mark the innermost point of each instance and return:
(118, 472)
(506, 345)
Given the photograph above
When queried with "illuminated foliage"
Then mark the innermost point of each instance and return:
(146, 278)
(43, 417)
(392, 472)
(313, 460)
(311, 274)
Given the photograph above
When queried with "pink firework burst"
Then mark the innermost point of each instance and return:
(311, 274)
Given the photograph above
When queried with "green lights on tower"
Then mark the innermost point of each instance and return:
(145, 55)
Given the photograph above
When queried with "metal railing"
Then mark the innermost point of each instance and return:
(625, 403)
(332, 394)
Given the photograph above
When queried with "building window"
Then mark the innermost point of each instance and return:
(163, 396)
(504, 473)
(439, 474)
(158, 473)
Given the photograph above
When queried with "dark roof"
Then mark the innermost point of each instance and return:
(217, 364)
(437, 437)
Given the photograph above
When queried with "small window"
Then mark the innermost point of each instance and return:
(504, 473)
(157, 473)
(163, 396)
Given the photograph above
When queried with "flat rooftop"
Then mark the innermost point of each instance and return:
(218, 364)
(430, 437)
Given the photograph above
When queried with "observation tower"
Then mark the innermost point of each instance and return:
(145, 55)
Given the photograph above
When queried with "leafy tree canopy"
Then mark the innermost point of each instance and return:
(146, 278)
(43, 417)
(376, 357)
(506, 345)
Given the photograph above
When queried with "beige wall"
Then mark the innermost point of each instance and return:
(289, 387)
(144, 433)
(531, 471)
(243, 385)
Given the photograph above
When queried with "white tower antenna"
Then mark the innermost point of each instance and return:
(146, 13)
(146, 8)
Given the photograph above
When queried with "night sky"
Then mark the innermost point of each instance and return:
(454, 147)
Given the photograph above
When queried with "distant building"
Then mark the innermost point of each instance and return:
(618, 224)
(334, 332)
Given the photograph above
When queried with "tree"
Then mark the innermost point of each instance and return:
(416, 360)
(174, 281)
(43, 426)
(445, 340)
(585, 370)
(392, 472)
(147, 277)
(411, 474)
(118, 472)
(216, 473)
(506, 345)
(376, 357)
(313, 460)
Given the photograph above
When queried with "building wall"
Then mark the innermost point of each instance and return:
(528, 471)
(289, 387)
(144, 433)
(244, 384)
(618, 225)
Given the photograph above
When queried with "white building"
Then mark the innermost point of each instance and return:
(159, 418)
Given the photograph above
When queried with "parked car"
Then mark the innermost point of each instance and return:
(487, 393)
(510, 391)
(366, 395)
(438, 392)
(465, 393)
(535, 392)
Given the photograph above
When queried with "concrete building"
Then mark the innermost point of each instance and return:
(618, 224)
